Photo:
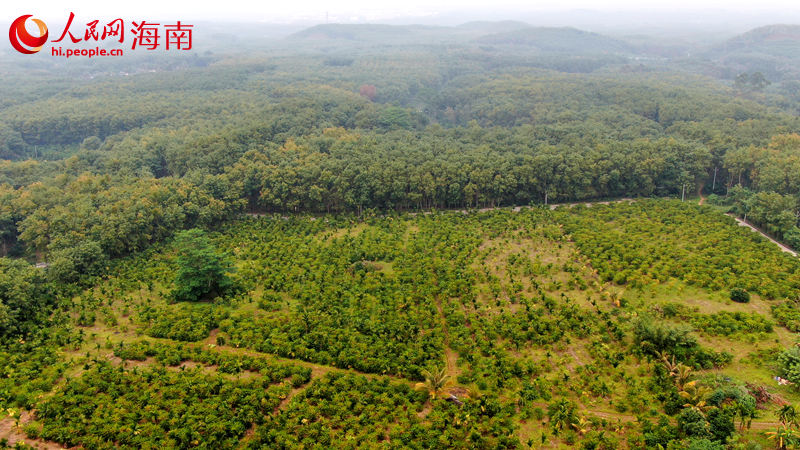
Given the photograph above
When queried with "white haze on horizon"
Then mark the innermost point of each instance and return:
(356, 11)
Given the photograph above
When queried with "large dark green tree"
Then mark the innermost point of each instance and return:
(203, 272)
(22, 296)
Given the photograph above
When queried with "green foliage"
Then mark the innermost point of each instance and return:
(30, 368)
(772, 200)
(120, 218)
(535, 390)
(727, 323)
(740, 295)
(344, 409)
(341, 315)
(692, 423)
(657, 240)
(703, 444)
(751, 81)
(392, 295)
(789, 364)
(85, 259)
(792, 237)
(155, 407)
(721, 424)
(660, 433)
(787, 314)
(788, 415)
(203, 273)
(271, 301)
(745, 409)
(562, 415)
(776, 212)
(726, 394)
(724, 323)
(183, 322)
(24, 297)
(173, 355)
(656, 338)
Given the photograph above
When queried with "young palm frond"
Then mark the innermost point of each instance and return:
(435, 382)
(784, 437)
(669, 364)
(695, 395)
(681, 375)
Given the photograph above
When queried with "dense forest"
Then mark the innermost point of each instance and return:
(482, 236)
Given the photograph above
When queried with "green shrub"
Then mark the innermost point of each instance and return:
(654, 338)
(720, 422)
(740, 295)
(728, 323)
(788, 315)
(692, 424)
(789, 364)
(703, 444)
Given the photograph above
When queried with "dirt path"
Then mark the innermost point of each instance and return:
(611, 415)
(575, 356)
(742, 223)
(14, 434)
(764, 425)
(608, 415)
(552, 206)
(285, 402)
(450, 355)
(317, 370)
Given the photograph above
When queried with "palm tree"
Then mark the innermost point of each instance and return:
(745, 413)
(562, 414)
(695, 395)
(669, 364)
(681, 375)
(788, 415)
(615, 296)
(435, 382)
(678, 371)
(581, 426)
(784, 437)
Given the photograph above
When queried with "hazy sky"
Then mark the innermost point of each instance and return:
(352, 10)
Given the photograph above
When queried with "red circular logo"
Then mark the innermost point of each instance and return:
(23, 41)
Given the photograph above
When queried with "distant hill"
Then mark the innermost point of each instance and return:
(771, 38)
(536, 40)
(354, 32)
(493, 27)
(404, 33)
(380, 34)
(558, 40)
(773, 50)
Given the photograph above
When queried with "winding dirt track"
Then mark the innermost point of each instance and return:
(784, 248)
